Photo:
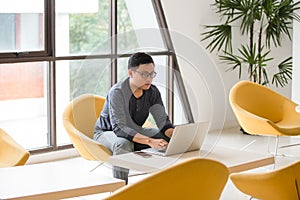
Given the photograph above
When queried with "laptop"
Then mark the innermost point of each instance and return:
(186, 137)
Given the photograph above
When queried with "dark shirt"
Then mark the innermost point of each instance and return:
(124, 114)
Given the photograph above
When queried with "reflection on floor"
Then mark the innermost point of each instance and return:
(232, 138)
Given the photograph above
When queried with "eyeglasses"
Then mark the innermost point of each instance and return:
(146, 74)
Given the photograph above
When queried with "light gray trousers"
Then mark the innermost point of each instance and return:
(119, 145)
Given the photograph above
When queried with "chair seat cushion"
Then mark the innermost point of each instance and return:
(291, 127)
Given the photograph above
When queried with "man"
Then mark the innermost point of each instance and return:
(127, 107)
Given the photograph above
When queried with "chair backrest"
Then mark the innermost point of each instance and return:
(11, 152)
(257, 99)
(84, 111)
(195, 178)
(258, 108)
(79, 119)
(283, 183)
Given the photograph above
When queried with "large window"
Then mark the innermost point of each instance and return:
(50, 54)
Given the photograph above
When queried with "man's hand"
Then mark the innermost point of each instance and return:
(154, 143)
(158, 143)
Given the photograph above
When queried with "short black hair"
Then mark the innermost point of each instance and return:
(139, 58)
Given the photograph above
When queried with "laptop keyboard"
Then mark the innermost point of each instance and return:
(155, 151)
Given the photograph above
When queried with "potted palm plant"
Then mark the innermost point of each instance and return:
(265, 23)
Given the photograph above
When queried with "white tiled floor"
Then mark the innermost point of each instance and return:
(231, 138)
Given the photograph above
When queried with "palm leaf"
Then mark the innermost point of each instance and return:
(280, 15)
(263, 57)
(248, 55)
(233, 60)
(285, 73)
(220, 36)
(245, 10)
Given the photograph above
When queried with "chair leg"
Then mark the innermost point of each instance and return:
(96, 166)
(276, 146)
(269, 141)
(280, 147)
(276, 151)
(289, 145)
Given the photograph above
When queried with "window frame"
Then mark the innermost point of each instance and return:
(49, 55)
(29, 56)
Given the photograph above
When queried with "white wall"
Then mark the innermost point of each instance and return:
(185, 20)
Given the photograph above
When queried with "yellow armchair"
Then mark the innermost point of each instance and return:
(283, 183)
(262, 111)
(195, 178)
(11, 152)
(79, 118)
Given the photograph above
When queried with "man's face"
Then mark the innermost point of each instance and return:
(142, 76)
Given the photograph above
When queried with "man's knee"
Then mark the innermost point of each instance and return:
(122, 145)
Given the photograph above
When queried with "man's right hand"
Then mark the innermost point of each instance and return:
(154, 143)
(158, 143)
